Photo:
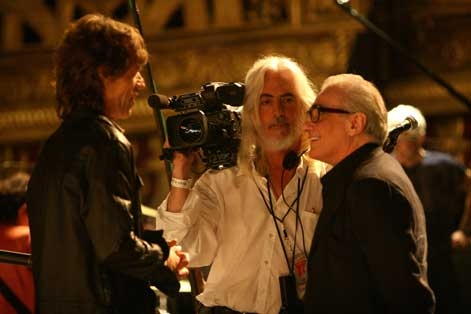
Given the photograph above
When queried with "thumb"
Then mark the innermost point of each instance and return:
(171, 243)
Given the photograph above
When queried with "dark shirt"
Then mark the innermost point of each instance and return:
(369, 247)
(439, 182)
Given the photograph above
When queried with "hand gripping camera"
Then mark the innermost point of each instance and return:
(204, 121)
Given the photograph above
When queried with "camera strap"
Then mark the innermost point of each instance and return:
(269, 206)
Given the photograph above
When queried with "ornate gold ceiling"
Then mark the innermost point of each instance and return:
(197, 41)
(191, 42)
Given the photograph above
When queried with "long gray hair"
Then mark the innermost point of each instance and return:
(251, 148)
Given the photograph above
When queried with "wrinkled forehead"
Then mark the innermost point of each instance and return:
(281, 80)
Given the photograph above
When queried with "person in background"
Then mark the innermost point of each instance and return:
(252, 223)
(369, 249)
(17, 291)
(83, 197)
(440, 183)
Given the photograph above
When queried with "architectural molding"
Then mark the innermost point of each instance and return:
(181, 64)
(430, 97)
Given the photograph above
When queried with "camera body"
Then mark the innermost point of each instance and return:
(204, 121)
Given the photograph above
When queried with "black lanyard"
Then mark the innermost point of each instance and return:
(269, 206)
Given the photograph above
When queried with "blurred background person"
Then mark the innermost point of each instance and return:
(14, 236)
(440, 182)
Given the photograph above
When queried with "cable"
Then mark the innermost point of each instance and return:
(290, 207)
(271, 211)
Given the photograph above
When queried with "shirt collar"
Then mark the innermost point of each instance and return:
(112, 122)
(343, 172)
(89, 113)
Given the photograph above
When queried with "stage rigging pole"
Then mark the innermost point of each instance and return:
(158, 115)
(343, 4)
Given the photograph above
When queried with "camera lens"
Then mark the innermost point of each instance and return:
(190, 130)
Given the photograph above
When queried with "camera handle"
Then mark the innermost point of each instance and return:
(158, 115)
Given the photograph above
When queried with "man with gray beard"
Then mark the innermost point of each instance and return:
(252, 223)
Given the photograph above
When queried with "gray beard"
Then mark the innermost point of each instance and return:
(272, 145)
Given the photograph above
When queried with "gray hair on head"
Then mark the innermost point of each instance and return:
(250, 148)
(360, 95)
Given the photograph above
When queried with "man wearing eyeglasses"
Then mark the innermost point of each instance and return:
(368, 253)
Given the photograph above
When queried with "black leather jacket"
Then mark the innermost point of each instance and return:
(85, 219)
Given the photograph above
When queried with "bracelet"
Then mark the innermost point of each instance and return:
(181, 183)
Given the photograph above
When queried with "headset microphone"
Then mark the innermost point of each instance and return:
(292, 159)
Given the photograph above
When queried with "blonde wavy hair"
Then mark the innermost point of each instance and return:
(250, 148)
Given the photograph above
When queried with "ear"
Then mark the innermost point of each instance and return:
(356, 123)
(101, 73)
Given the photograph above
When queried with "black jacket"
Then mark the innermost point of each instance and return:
(368, 254)
(85, 218)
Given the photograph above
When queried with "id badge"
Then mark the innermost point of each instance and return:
(300, 272)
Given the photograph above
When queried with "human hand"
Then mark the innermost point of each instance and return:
(459, 240)
(177, 260)
(182, 163)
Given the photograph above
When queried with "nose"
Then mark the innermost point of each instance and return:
(308, 125)
(279, 108)
(140, 82)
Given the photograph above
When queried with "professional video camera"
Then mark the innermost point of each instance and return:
(204, 121)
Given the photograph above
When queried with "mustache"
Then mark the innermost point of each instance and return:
(279, 121)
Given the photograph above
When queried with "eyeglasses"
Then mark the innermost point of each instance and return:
(314, 113)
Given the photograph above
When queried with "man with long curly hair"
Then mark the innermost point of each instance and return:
(83, 198)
